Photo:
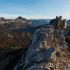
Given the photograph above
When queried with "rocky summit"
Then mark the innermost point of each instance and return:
(48, 50)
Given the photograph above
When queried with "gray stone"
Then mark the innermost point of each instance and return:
(43, 48)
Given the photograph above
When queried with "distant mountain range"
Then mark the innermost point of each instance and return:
(38, 22)
(19, 32)
(44, 21)
(47, 20)
(16, 32)
(20, 20)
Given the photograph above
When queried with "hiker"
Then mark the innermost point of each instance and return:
(58, 23)
(55, 22)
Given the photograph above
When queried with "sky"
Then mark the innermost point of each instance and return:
(35, 9)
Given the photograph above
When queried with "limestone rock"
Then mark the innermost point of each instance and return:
(42, 52)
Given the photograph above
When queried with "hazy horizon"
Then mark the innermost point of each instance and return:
(35, 9)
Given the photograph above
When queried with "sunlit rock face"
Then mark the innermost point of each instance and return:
(42, 52)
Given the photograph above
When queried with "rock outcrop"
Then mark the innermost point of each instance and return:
(47, 51)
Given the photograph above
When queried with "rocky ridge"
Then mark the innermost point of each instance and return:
(48, 50)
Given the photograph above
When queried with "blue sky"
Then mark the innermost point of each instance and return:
(35, 9)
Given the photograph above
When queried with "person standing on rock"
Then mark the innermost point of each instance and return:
(55, 22)
(58, 23)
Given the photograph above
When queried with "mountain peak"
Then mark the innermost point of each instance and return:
(20, 17)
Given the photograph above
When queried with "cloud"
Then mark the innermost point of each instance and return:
(12, 16)
(8, 16)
